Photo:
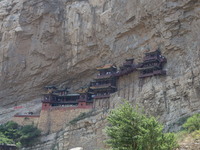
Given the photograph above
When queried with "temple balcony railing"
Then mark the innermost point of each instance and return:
(64, 102)
(125, 72)
(58, 101)
(82, 100)
(154, 73)
(148, 58)
(104, 76)
(127, 64)
(159, 58)
(100, 85)
(149, 66)
(59, 94)
(46, 101)
(65, 106)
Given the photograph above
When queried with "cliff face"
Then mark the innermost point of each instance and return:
(63, 41)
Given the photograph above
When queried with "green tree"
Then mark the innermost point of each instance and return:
(5, 140)
(192, 123)
(12, 133)
(12, 130)
(130, 129)
(29, 135)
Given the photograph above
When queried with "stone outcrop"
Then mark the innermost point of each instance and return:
(62, 42)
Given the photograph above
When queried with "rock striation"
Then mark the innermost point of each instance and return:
(61, 42)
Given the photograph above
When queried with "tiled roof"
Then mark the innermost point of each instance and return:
(153, 52)
(50, 86)
(107, 66)
(101, 87)
(83, 90)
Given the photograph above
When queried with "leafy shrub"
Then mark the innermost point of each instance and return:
(10, 130)
(129, 129)
(5, 140)
(192, 123)
(196, 134)
(12, 133)
(29, 135)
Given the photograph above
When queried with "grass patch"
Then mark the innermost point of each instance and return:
(196, 135)
(181, 135)
(190, 129)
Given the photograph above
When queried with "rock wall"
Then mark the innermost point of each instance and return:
(170, 99)
(29, 120)
(54, 120)
(87, 133)
(62, 42)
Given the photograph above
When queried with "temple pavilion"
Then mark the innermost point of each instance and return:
(105, 82)
(152, 64)
(127, 67)
(85, 98)
(58, 97)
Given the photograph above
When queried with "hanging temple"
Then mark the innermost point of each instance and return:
(105, 83)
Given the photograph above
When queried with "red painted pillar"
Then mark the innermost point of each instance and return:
(46, 106)
(81, 104)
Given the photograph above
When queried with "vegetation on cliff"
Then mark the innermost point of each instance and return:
(192, 123)
(130, 129)
(189, 136)
(12, 133)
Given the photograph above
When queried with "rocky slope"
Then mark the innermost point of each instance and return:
(62, 42)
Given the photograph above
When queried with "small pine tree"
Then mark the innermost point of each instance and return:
(131, 130)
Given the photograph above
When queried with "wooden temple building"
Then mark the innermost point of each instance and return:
(152, 64)
(105, 82)
(60, 106)
(62, 97)
(85, 98)
(127, 67)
